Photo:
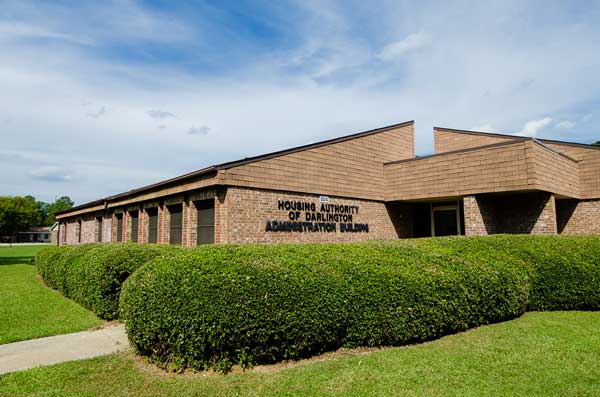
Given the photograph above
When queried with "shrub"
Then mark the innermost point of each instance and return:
(92, 274)
(43, 260)
(221, 306)
(565, 270)
(224, 305)
(53, 264)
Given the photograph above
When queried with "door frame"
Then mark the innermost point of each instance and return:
(455, 207)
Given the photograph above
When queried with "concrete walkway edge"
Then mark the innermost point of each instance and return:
(61, 348)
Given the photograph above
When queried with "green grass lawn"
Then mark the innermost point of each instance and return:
(27, 308)
(550, 353)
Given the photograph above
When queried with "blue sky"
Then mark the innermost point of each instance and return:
(100, 97)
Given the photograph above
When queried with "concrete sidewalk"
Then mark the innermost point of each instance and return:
(57, 349)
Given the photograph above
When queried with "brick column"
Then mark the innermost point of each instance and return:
(193, 224)
(476, 217)
(143, 227)
(107, 228)
(113, 227)
(62, 238)
(221, 218)
(546, 221)
(126, 226)
(187, 207)
(163, 224)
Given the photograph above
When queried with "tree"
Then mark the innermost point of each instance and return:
(49, 210)
(596, 144)
(18, 214)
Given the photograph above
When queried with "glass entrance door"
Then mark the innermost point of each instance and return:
(445, 220)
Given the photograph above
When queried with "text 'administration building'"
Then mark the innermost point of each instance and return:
(364, 186)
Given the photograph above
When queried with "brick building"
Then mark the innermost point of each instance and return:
(363, 186)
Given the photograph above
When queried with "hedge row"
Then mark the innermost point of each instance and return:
(564, 270)
(224, 305)
(92, 274)
(259, 304)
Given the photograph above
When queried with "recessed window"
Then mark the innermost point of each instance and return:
(134, 215)
(119, 227)
(99, 229)
(176, 223)
(152, 225)
(206, 221)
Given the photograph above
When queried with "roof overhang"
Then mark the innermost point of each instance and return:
(512, 166)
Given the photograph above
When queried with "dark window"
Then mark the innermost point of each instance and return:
(152, 225)
(119, 227)
(134, 225)
(79, 230)
(99, 229)
(445, 222)
(176, 223)
(206, 221)
(422, 220)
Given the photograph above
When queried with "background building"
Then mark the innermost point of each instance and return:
(363, 186)
(39, 234)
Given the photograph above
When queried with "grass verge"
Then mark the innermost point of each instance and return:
(28, 309)
(545, 353)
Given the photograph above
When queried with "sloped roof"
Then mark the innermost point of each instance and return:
(231, 164)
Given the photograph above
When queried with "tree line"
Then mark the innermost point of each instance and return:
(18, 214)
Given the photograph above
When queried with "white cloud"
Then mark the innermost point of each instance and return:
(160, 114)
(19, 30)
(95, 115)
(484, 128)
(413, 41)
(332, 84)
(531, 128)
(202, 130)
(566, 125)
(50, 174)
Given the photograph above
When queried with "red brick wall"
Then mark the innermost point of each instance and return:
(88, 229)
(478, 217)
(62, 233)
(527, 213)
(70, 233)
(107, 228)
(578, 216)
(248, 211)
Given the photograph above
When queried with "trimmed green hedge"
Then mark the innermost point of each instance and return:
(565, 270)
(258, 304)
(92, 274)
(217, 306)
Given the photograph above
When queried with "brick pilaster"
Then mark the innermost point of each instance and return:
(187, 210)
(163, 224)
(546, 222)
(478, 219)
(126, 226)
(113, 227)
(221, 218)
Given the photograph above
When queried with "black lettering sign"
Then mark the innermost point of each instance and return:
(322, 219)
